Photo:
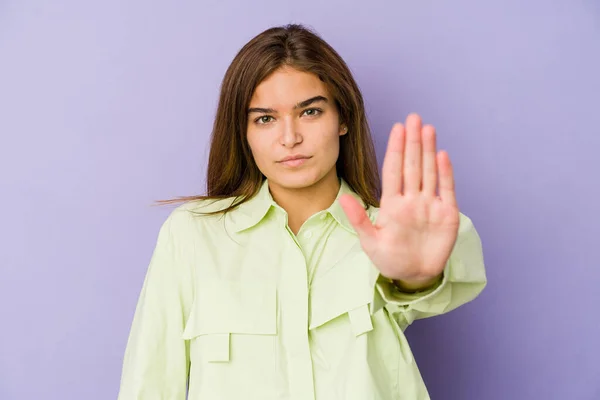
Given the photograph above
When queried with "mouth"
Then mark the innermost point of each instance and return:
(294, 161)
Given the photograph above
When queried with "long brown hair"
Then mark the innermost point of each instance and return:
(232, 171)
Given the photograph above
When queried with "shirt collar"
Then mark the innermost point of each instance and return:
(251, 212)
(336, 210)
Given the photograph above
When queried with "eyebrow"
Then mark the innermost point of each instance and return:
(302, 104)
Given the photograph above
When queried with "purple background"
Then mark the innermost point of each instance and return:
(106, 106)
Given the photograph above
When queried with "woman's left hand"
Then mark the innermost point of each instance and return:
(416, 228)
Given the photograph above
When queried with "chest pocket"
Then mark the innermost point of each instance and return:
(233, 321)
(347, 288)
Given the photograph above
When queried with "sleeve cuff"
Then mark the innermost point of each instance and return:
(388, 293)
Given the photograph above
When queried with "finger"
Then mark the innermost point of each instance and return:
(429, 161)
(412, 157)
(358, 219)
(391, 170)
(447, 184)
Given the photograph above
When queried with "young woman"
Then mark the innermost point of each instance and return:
(290, 279)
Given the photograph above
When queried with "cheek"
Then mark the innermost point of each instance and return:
(331, 145)
(260, 151)
(253, 144)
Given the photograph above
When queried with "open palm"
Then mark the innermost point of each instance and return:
(418, 219)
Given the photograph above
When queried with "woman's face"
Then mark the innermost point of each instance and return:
(292, 114)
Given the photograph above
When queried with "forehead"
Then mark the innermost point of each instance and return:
(286, 87)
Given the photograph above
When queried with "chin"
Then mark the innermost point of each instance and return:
(295, 179)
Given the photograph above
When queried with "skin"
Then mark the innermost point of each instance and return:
(312, 129)
(418, 219)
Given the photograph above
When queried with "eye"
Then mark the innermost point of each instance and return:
(311, 112)
(265, 119)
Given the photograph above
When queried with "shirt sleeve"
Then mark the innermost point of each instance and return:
(156, 359)
(463, 280)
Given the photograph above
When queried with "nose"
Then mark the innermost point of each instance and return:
(289, 133)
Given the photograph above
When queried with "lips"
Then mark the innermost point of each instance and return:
(294, 158)
(294, 161)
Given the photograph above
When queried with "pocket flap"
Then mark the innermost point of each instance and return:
(360, 318)
(342, 289)
(227, 306)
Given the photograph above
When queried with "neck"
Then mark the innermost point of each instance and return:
(300, 204)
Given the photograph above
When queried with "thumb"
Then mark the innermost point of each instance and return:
(358, 219)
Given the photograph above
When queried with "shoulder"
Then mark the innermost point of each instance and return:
(194, 212)
(204, 206)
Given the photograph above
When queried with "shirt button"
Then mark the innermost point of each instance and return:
(308, 235)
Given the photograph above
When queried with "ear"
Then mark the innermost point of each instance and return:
(343, 129)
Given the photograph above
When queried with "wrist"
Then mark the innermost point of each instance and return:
(416, 285)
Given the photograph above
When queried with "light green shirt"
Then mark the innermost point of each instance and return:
(250, 311)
